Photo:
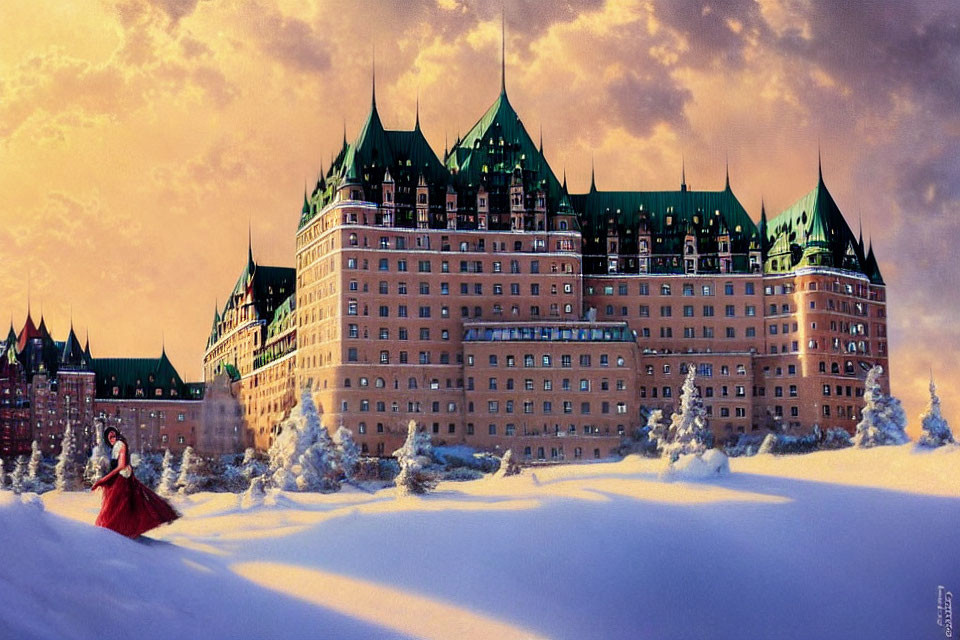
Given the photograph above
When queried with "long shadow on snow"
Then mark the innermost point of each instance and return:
(834, 561)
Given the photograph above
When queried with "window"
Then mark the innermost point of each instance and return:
(384, 357)
(688, 311)
(666, 311)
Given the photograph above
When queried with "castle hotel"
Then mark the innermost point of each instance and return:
(475, 294)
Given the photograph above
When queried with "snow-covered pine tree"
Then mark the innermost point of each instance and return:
(99, 463)
(769, 444)
(508, 466)
(318, 464)
(884, 421)
(168, 476)
(657, 431)
(69, 469)
(255, 493)
(688, 428)
(935, 432)
(190, 472)
(251, 466)
(348, 453)
(836, 438)
(19, 475)
(297, 434)
(413, 458)
(34, 481)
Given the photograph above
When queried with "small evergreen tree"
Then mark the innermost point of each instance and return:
(99, 463)
(688, 429)
(935, 432)
(297, 433)
(656, 431)
(69, 469)
(318, 464)
(3, 476)
(34, 480)
(251, 466)
(190, 476)
(508, 466)
(348, 453)
(255, 493)
(769, 444)
(19, 475)
(884, 421)
(413, 458)
(168, 476)
(836, 438)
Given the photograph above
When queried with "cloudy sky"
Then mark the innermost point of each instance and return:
(140, 138)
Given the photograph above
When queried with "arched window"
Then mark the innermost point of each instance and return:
(353, 239)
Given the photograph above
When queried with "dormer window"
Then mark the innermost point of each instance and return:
(158, 392)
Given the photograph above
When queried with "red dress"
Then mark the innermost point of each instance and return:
(129, 507)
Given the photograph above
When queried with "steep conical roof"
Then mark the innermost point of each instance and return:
(816, 220)
(871, 268)
(11, 336)
(28, 332)
(498, 144)
(72, 355)
(86, 349)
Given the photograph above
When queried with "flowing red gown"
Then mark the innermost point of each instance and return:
(130, 508)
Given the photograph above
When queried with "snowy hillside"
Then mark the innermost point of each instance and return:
(835, 544)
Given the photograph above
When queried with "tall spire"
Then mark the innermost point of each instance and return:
(860, 237)
(250, 262)
(373, 82)
(416, 125)
(593, 176)
(726, 185)
(503, 53)
(541, 139)
(819, 165)
(683, 173)
(564, 178)
(344, 131)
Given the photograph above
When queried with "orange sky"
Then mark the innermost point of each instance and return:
(138, 139)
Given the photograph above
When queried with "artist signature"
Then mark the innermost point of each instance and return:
(945, 610)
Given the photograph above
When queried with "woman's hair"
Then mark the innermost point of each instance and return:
(106, 433)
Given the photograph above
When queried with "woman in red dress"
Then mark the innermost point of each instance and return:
(129, 508)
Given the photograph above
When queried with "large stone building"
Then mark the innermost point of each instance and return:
(45, 383)
(476, 295)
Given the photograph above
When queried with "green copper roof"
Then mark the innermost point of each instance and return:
(72, 355)
(871, 268)
(813, 232)
(130, 375)
(499, 143)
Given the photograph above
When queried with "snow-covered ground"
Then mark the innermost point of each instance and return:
(835, 544)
